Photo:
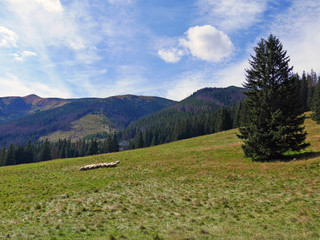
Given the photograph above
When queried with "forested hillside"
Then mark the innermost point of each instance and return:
(12, 108)
(119, 112)
(206, 111)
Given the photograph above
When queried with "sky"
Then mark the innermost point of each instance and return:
(165, 48)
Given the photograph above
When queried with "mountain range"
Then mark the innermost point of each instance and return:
(34, 118)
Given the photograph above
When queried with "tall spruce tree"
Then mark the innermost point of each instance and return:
(273, 125)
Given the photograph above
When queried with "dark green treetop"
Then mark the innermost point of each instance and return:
(273, 124)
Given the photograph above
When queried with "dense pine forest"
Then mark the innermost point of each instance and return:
(43, 151)
(195, 116)
(180, 122)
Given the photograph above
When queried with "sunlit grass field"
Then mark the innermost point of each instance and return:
(200, 188)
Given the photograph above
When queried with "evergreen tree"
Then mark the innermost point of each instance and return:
(62, 148)
(10, 158)
(115, 143)
(139, 143)
(223, 121)
(273, 125)
(304, 92)
(83, 149)
(20, 154)
(93, 148)
(316, 103)
(109, 144)
(312, 81)
(2, 156)
(45, 151)
(29, 153)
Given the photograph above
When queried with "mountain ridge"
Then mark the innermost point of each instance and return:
(41, 118)
(119, 112)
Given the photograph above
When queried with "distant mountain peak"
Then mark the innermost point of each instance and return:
(32, 96)
(32, 99)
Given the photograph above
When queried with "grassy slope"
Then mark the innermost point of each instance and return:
(89, 124)
(201, 188)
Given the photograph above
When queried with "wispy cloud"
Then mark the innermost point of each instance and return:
(45, 23)
(11, 85)
(20, 56)
(54, 33)
(8, 38)
(230, 15)
(299, 30)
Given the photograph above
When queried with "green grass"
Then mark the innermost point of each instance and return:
(200, 188)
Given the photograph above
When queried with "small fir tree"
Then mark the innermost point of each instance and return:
(273, 125)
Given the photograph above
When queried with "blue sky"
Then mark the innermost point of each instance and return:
(167, 48)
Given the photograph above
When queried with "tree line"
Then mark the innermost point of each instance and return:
(44, 151)
(163, 127)
(173, 126)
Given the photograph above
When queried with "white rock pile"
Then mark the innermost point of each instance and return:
(99, 165)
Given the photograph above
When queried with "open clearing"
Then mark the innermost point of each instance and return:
(200, 188)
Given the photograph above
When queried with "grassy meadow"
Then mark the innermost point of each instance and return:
(200, 188)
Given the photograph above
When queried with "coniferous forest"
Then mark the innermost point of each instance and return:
(43, 151)
(172, 125)
(177, 122)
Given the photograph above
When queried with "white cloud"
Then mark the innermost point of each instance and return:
(207, 43)
(11, 85)
(22, 55)
(8, 38)
(231, 15)
(171, 55)
(202, 42)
